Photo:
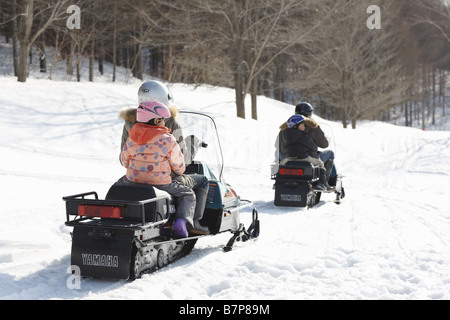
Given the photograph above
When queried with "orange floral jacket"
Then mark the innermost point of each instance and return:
(150, 154)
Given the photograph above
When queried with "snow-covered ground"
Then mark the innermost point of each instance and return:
(389, 239)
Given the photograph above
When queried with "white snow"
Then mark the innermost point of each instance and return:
(389, 239)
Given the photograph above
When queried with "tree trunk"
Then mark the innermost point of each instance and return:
(54, 59)
(101, 59)
(344, 115)
(78, 63)
(444, 83)
(25, 45)
(91, 61)
(69, 59)
(42, 55)
(254, 96)
(114, 50)
(23, 61)
(237, 58)
(15, 40)
(240, 104)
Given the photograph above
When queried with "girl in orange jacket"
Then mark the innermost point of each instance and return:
(150, 154)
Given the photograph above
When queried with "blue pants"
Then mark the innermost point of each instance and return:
(200, 184)
(326, 155)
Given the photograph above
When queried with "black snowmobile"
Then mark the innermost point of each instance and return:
(296, 184)
(128, 233)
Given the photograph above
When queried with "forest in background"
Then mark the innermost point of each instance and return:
(352, 59)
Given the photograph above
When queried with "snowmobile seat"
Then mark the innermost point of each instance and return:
(200, 167)
(132, 193)
(194, 168)
(154, 211)
(299, 170)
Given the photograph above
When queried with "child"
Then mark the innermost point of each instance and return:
(150, 154)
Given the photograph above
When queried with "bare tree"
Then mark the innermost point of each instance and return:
(247, 36)
(29, 11)
(288, 49)
(434, 13)
(429, 26)
(358, 70)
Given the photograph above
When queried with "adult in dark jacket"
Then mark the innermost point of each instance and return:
(327, 156)
(298, 145)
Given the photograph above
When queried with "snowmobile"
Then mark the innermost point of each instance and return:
(296, 184)
(128, 233)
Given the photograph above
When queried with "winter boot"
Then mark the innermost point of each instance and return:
(321, 184)
(198, 229)
(179, 229)
(328, 168)
(201, 193)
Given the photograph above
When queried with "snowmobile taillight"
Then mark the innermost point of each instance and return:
(291, 172)
(100, 211)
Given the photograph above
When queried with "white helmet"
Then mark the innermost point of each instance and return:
(155, 90)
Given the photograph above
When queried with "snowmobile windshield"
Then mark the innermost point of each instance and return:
(329, 134)
(206, 144)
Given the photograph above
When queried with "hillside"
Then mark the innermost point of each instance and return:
(388, 240)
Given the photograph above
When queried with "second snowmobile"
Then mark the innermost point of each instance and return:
(296, 184)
